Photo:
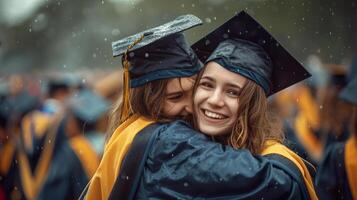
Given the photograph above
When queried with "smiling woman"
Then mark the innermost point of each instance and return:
(244, 65)
(178, 94)
(216, 99)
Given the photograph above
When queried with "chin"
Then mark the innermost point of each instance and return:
(211, 131)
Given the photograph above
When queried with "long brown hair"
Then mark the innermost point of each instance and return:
(255, 123)
(146, 101)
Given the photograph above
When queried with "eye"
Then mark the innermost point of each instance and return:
(233, 93)
(174, 96)
(206, 85)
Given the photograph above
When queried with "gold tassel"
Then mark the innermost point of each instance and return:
(126, 110)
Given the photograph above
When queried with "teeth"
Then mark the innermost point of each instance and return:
(213, 115)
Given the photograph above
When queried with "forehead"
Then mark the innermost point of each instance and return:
(216, 72)
(180, 84)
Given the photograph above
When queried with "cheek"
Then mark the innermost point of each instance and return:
(233, 107)
(199, 96)
(171, 109)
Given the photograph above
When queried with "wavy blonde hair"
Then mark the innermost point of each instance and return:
(255, 123)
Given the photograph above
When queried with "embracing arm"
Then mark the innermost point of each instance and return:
(184, 163)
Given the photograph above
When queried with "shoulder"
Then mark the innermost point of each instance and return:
(179, 130)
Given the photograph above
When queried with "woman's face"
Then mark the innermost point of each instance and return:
(216, 99)
(178, 97)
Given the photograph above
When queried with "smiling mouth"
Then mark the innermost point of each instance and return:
(213, 115)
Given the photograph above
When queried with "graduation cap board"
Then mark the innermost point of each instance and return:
(249, 49)
(180, 24)
(157, 53)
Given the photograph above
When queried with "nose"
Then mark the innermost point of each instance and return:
(216, 99)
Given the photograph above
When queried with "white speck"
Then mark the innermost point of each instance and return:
(102, 2)
(105, 39)
(146, 55)
(94, 55)
(64, 66)
(30, 30)
(185, 184)
(193, 5)
(321, 106)
(208, 20)
(115, 32)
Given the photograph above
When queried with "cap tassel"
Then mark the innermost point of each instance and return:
(126, 109)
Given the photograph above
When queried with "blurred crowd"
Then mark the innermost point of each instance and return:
(52, 131)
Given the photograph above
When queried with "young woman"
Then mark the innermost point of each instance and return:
(230, 99)
(162, 74)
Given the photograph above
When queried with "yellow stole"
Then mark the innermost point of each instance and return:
(351, 164)
(86, 154)
(306, 121)
(6, 157)
(104, 178)
(32, 183)
(273, 147)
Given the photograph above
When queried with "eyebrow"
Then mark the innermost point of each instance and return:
(228, 84)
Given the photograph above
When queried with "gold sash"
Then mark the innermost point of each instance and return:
(32, 183)
(104, 178)
(351, 164)
(273, 147)
(86, 154)
(6, 157)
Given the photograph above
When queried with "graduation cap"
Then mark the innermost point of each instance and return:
(63, 81)
(158, 53)
(349, 93)
(337, 74)
(243, 46)
(88, 106)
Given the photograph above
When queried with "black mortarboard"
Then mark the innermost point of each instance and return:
(63, 81)
(162, 53)
(243, 46)
(88, 106)
(349, 93)
(158, 53)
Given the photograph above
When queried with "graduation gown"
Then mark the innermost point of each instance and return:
(59, 170)
(185, 164)
(337, 173)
